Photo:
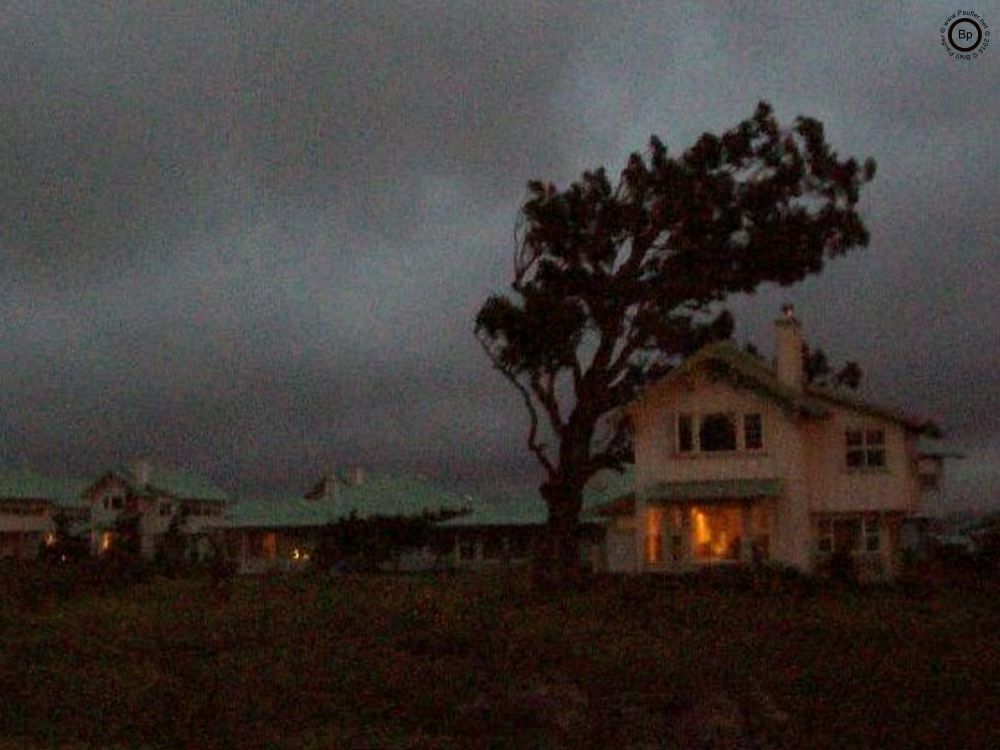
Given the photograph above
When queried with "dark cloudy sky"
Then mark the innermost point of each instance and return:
(252, 241)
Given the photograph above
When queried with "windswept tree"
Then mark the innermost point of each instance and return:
(614, 283)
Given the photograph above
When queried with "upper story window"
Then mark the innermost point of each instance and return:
(685, 433)
(753, 432)
(865, 449)
(719, 432)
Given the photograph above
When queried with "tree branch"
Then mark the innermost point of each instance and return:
(533, 445)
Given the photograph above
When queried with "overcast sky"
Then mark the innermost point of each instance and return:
(251, 242)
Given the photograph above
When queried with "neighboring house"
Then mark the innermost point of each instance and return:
(152, 498)
(737, 461)
(28, 505)
(282, 533)
(506, 532)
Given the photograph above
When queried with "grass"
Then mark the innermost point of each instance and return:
(464, 661)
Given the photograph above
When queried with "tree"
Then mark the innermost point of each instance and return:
(613, 284)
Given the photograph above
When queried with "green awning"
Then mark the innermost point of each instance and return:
(713, 489)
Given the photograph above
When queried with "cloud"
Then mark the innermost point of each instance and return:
(252, 239)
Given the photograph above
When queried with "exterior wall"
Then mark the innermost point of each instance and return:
(782, 456)
(809, 456)
(836, 488)
(656, 456)
(24, 525)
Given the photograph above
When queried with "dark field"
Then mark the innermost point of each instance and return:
(478, 662)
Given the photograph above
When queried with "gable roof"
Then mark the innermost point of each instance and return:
(727, 360)
(26, 485)
(183, 485)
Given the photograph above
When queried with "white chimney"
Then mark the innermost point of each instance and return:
(355, 476)
(790, 364)
(140, 471)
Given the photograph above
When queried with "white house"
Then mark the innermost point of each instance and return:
(737, 460)
(154, 497)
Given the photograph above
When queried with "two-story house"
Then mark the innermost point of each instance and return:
(736, 461)
(153, 498)
(29, 505)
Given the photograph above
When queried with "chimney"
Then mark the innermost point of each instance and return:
(790, 365)
(140, 472)
(354, 476)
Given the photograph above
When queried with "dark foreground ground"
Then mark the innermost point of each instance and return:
(464, 661)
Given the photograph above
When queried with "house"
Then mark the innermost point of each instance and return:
(283, 533)
(739, 461)
(152, 499)
(29, 505)
(505, 532)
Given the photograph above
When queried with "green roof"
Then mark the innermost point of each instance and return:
(397, 496)
(180, 484)
(375, 496)
(530, 510)
(26, 485)
(283, 513)
(715, 489)
(752, 371)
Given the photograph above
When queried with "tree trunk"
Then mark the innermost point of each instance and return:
(557, 560)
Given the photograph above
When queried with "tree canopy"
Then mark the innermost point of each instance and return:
(615, 282)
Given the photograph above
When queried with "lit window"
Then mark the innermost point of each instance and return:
(685, 434)
(654, 538)
(716, 533)
(865, 449)
(717, 432)
(753, 432)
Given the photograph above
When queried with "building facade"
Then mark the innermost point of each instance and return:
(738, 461)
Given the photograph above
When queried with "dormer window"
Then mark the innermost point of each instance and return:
(865, 449)
(717, 433)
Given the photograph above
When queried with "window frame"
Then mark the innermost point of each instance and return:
(864, 444)
(688, 427)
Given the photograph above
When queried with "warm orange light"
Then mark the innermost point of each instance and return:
(701, 532)
(654, 540)
(50, 539)
(105, 541)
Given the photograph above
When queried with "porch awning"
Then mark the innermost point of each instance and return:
(713, 489)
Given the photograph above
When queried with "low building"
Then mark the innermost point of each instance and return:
(283, 533)
(506, 532)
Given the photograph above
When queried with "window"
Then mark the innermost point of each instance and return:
(930, 482)
(849, 534)
(717, 433)
(753, 432)
(865, 449)
(871, 534)
(654, 535)
(685, 433)
(716, 533)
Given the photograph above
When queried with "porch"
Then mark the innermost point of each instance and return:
(686, 525)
